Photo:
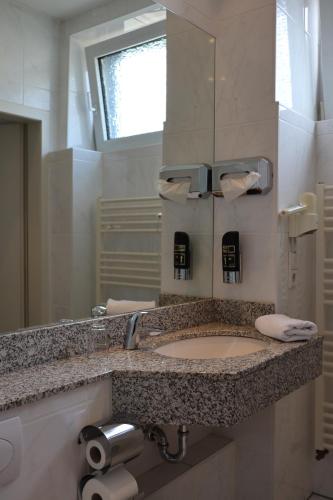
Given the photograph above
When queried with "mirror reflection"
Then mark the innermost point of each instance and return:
(93, 101)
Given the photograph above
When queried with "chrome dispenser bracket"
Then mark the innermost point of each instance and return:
(262, 166)
(199, 176)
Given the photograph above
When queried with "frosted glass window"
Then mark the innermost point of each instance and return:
(133, 85)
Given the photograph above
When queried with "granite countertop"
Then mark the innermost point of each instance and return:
(151, 388)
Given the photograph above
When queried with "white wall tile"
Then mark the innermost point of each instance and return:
(11, 54)
(80, 132)
(60, 190)
(246, 140)
(294, 438)
(190, 87)
(244, 69)
(44, 99)
(41, 50)
(297, 164)
(327, 55)
(87, 188)
(190, 146)
(53, 462)
(61, 272)
(132, 173)
(258, 268)
(297, 56)
(249, 213)
(325, 153)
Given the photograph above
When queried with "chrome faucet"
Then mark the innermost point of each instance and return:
(98, 311)
(132, 335)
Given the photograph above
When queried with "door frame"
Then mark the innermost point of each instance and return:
(34, 220)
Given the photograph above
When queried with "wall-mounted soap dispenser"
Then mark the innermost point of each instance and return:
(231, 257)
(182, 256)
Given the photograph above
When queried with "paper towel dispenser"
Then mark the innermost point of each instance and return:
(199, 176)
(244, 166)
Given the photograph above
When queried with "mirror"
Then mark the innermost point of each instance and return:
(93, 101)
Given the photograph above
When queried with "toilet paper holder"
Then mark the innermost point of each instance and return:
(109, 444)
(261, 165)
(199, 176)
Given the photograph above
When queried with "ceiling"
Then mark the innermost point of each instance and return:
(62, 8)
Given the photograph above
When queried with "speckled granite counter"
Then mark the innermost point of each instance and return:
(148, 387)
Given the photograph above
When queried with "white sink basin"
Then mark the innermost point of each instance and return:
(211, 347)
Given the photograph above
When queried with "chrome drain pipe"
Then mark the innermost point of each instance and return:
(155, 433)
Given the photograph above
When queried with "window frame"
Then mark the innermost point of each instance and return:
(101, 49)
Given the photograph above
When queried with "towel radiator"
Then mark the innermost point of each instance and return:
(128, 244)
(324, 316)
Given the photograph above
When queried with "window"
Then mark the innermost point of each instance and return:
(128, 84)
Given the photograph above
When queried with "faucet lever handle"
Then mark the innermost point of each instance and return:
(131, 333)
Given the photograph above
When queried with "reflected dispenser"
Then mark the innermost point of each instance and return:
(231, 258)
(182, 256)
(234, 168)
(196, 176)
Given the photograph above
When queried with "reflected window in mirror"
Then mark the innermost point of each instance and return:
(133, 87)
(127, 76)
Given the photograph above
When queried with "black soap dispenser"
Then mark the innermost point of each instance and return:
(182, 256)
(231, 257)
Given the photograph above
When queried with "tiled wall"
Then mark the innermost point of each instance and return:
(326, 21)
(246, 127)
(74, 184)
(189, 138)
(52, 461)
(297, 170)
(29, 75)
(297, 55)
(324, 131)
(132, 173)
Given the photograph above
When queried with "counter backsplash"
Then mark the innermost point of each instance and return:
(34, 346)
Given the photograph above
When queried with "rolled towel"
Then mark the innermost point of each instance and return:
(114, 307)
(281, 327)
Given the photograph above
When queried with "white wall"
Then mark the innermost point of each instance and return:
(188, 137)
(245, 127)
(297, 54)
(132, 173)
(75, 183)
(297, 170)
(52, 461)
(76, 120)
(29, 78)
(326, 19)
(324, 131)
(323, 479)
(297, 36)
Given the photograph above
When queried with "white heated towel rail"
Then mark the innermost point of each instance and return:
(128, 244)
(324, 316)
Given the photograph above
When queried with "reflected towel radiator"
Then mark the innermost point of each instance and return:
(128, 243)
(324, 316)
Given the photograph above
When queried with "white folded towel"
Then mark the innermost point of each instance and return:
(114, 307)
(283, 328)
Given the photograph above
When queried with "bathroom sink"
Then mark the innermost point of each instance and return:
(212, 347)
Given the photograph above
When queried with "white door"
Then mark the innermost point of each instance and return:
(12, 274)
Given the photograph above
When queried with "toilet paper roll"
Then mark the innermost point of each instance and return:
(234, 185)
(117, 484)
(174, 191)
(98, 453)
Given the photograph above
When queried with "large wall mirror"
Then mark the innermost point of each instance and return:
(82, 220)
